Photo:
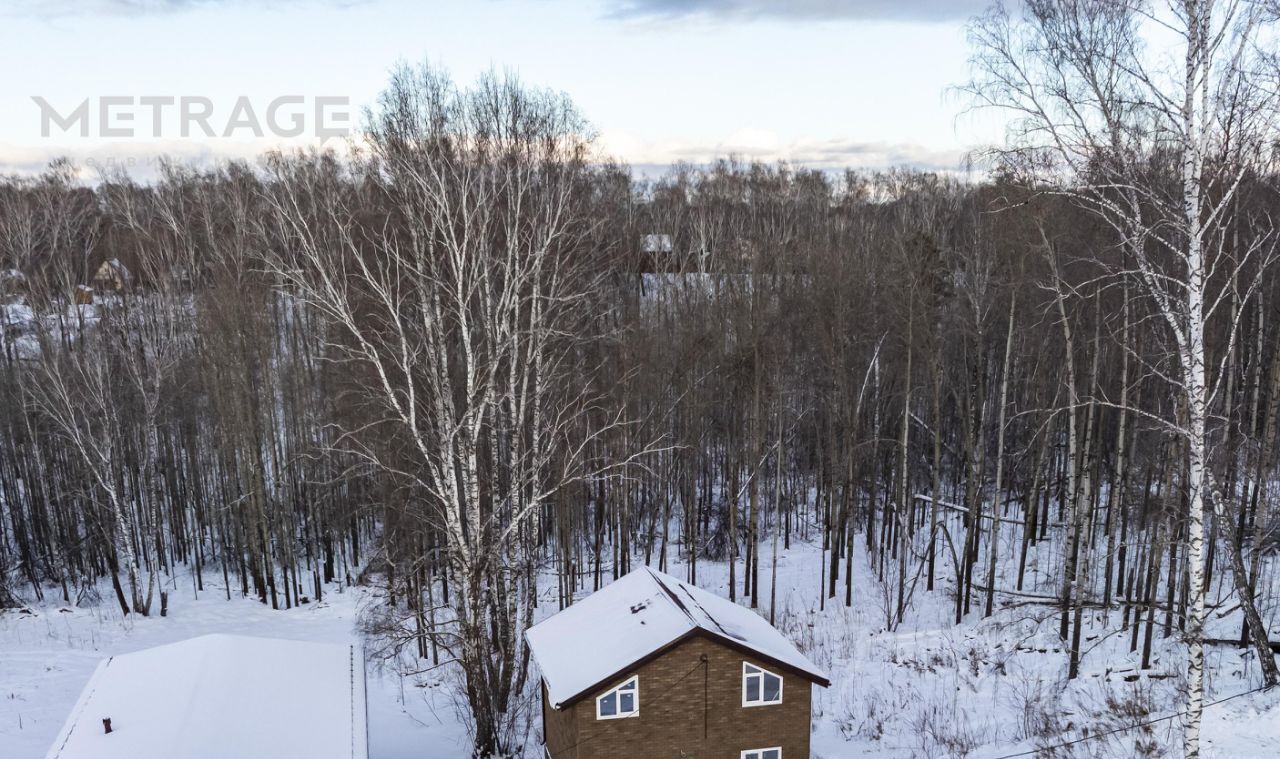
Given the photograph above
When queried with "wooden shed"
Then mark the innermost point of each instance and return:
(651, 666)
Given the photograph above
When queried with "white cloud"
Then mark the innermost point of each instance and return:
(65, 8)
(768, 146)
(802, 10)
(141, 159)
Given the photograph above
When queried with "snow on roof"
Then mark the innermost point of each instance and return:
(655, 243)
(116, 265)
(221, 696)
(637, 615)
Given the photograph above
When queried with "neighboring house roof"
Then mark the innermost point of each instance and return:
(221, 696)
(114, 265)
(640, 616)
(655, 243)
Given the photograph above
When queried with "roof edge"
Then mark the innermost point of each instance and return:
(73, 717)
(695, 632)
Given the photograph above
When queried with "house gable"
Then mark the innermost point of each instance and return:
(112, 274)
(742, 650)
(635, 620)
(691, 702)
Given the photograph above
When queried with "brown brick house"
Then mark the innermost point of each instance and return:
(650, 666)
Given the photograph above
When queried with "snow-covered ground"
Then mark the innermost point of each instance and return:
(985, 689)
(47, 656)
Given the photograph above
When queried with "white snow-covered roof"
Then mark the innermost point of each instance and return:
(655, 243)
(640, 613)
(220, 696)
(116, 265)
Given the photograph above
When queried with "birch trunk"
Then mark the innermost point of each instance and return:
(998, 496)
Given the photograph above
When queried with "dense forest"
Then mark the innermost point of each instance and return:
(474, 352)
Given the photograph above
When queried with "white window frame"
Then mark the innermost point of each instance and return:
(620, 715)
(760, 673)
(759, 752)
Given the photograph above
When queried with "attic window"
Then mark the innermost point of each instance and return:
(622, 701)
(763, 753)
(760, 688)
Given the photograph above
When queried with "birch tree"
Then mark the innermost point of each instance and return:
(1158, 151)
(462, 316)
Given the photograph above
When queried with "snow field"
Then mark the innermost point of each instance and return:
(983, 689)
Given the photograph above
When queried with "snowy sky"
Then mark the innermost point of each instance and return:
(825, 82)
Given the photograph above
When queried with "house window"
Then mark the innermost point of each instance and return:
(760, 688)
(763, 753)
(622, 701)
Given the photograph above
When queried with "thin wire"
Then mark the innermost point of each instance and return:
(1041, 749)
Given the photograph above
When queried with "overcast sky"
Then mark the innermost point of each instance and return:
(828, 83)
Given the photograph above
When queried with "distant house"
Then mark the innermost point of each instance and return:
(12, 283)
(653, 667)
(656, 253)
(222, 696)
(655, 244)
(112, 276)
